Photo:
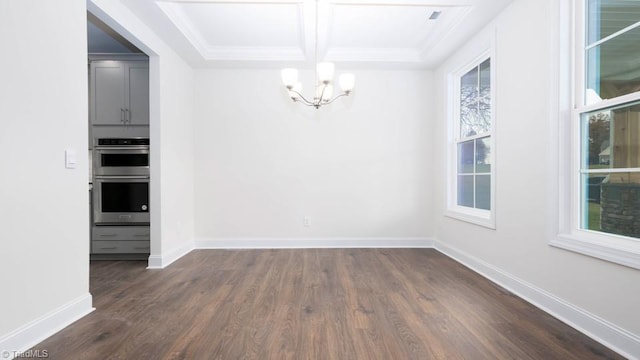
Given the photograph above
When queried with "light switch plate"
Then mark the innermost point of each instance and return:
(70, 159)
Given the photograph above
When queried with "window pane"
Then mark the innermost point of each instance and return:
(469, 83)
(483, 192)
(485, 76)
(465, 157)
(465, 190)
(611, 203)
(469, 103)
(611, 138)
(483, 155)
(605, 17)
(484, 104)
(612, 67)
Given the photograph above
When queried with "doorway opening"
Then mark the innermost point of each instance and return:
(119, 145)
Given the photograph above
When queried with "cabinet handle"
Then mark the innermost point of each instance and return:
(127, 116)
(141, 248)
(121, 115)
(108, 235)
(108, 248)
(141, 235)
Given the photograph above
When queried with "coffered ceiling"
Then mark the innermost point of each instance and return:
(261, 33)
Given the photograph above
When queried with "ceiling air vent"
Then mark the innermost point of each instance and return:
(435, 15)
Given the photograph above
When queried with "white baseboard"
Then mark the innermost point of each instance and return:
(34, 332)
(165, 259)
(306, 243)
(602, 331)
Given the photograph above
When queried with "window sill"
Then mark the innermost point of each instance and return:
(474, 216)
(616, 249)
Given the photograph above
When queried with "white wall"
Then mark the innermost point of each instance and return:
(171, 133)
(175, 157)
(44, 208)
(360, 168)
(525, 203)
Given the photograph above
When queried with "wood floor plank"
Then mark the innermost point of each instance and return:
(311, 304)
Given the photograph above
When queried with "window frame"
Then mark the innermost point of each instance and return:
(472, 215)
(572, 236)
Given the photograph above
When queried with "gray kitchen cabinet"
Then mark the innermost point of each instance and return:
(120, 240)
(119, 92)
(120, 247)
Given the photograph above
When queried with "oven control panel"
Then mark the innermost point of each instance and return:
(123, 142)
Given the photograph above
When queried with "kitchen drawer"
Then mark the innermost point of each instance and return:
(120, 247)
(122, 233)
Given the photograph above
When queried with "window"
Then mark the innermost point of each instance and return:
(609, 116)
(605, 180)
(471, 179)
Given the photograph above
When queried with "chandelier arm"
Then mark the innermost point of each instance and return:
(324, 86)
(302, 99)
(335, 98)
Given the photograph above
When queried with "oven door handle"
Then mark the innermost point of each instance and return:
(122, 177)
(120, 148)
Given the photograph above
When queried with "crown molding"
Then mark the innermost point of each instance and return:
(224, 53)
(374, 55)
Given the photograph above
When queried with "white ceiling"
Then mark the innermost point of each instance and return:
(261, 33)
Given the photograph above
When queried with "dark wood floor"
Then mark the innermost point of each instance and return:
(311, 304)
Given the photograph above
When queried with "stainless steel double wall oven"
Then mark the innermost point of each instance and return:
(121, 181)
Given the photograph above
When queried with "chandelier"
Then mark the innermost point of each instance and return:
(324, 75)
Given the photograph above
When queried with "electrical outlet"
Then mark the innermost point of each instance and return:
(306, 221)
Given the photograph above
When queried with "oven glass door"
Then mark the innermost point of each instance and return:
(121, 200)
(127, 162)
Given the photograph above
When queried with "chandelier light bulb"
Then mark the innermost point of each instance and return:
(289, 77)
(347, 81)
(328, 93)
(325, 72)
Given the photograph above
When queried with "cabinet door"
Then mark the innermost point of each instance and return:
(120, 247)
(137, 80)
(107, 94)
(120, 233)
